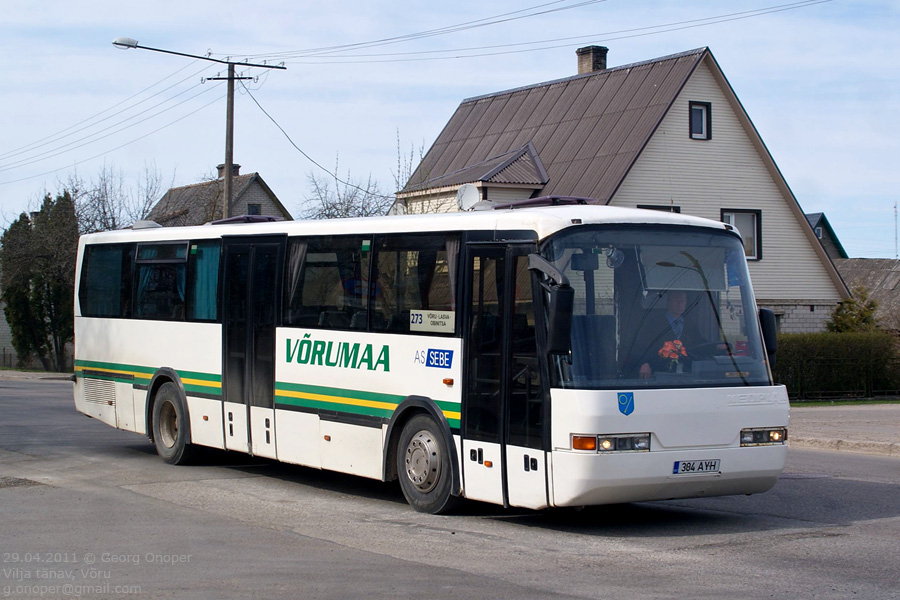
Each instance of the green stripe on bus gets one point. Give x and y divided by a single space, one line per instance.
360 402
339 392
337 407
131 369
193 381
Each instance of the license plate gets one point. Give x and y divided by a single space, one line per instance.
693 467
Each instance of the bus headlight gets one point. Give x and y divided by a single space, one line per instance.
763 436
628 442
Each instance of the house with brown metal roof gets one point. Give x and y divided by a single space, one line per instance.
202 202
826 235
663 134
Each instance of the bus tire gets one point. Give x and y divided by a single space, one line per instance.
424 466
171 426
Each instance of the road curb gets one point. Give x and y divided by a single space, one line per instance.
20 376
882 448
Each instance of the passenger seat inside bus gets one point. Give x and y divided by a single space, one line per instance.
334 319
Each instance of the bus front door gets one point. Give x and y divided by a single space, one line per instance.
251 308
505 414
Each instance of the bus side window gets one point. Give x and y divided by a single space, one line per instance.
413 273
105 289
159 286
326 282
203 280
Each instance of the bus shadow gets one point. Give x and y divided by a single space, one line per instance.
319 479
815 503
794 503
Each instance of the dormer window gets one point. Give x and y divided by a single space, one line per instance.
700 120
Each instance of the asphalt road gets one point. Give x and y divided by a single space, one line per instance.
92 508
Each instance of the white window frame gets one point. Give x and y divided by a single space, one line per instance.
705 132
753 242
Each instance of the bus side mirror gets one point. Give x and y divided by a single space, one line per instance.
561 298
559 327
770 338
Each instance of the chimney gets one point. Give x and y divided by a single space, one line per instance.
235 170
591 58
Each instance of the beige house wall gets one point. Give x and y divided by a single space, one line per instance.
728 171
433 203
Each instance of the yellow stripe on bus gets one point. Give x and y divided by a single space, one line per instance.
337 399
202 382
134 374
351 401
139 375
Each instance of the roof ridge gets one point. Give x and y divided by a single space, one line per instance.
700 50
209 182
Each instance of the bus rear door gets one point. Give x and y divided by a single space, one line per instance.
252 295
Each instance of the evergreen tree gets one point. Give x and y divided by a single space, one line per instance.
37 279
854 315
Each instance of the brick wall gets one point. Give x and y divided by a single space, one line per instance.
801 316
256 195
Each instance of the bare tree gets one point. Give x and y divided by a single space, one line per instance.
149 190
411 171
100 202
331 198
107 203
406 165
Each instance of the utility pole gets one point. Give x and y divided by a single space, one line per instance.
229 134
125 43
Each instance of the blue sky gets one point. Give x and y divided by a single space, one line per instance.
821 82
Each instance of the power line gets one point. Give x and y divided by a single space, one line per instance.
181 118
486 21
332 55
674 26
58 135
73 145
61 150
95 136
307 156
587 38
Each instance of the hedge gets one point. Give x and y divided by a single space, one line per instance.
821 365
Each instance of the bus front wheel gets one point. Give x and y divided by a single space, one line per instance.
423 466
170 426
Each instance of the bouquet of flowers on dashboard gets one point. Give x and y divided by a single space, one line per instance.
672 352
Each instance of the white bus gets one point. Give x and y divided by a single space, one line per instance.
511 355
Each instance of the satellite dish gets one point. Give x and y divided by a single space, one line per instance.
467 196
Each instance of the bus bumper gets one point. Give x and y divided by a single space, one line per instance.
581 479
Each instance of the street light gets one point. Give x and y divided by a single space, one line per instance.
125 43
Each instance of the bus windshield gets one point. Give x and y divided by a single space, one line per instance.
657 306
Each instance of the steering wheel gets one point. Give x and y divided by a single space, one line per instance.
709 349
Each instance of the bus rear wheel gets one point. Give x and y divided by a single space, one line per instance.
170 426
423 466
